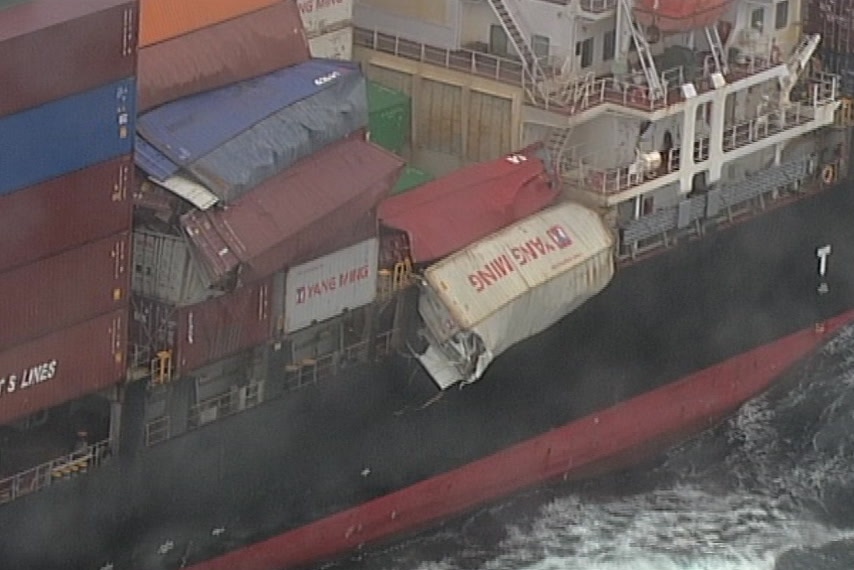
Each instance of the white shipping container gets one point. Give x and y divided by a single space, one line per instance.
326 287
333 45
163 269
321 16
510 286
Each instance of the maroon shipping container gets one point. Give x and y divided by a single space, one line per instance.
834 20
299 214
239 49
50 49
65 212
63 290
207 332
63 366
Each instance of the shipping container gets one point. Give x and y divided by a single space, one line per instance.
163 269
65 289
322 16
204 333
51 49
337 44
272 122
410 179
482 300
834 20
294 216
66 135
229 52
166 19
331 285
389 117
63 366
841 64
65 212
453 211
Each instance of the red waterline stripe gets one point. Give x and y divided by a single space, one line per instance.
679 408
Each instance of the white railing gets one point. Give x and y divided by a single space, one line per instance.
41 476
228 404
610 181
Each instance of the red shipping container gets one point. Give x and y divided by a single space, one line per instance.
63 366
207 332
50 49
166 19
235 50
63 290
65 212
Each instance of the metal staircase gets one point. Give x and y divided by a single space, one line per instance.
510 21
717 47
647 63
556 146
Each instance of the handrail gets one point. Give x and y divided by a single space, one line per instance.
63 467
611 181
567 99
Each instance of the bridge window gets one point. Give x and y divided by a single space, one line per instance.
585 50
757 19
609 42
781 15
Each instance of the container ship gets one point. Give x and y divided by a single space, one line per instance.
283 280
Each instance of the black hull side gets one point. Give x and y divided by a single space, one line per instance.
361 435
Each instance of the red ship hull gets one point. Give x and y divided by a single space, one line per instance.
616 437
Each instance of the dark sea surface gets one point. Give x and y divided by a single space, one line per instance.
772 488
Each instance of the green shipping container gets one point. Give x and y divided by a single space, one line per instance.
410 178
389 117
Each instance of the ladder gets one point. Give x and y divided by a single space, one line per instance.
715 44
556 145
511 26
647 63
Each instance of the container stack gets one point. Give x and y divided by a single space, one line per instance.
834 20
67 111
246 169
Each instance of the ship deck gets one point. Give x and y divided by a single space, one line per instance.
357 436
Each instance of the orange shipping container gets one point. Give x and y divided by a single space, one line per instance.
165 19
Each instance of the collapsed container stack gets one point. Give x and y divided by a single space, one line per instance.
834 20
252 161
67 111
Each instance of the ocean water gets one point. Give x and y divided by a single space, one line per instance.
772 488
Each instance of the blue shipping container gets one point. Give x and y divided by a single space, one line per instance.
187 129
66 135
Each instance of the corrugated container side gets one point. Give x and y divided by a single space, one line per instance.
481 279
323 16
206 332
275 144
187 130
337 44
65 212
225 53
166 19
66 135
63 366
63 290
389 117
290 218
513 285
39 64
326 287
163 269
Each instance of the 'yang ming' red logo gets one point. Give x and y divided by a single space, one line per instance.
559 236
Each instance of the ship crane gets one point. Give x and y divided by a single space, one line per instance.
796 65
